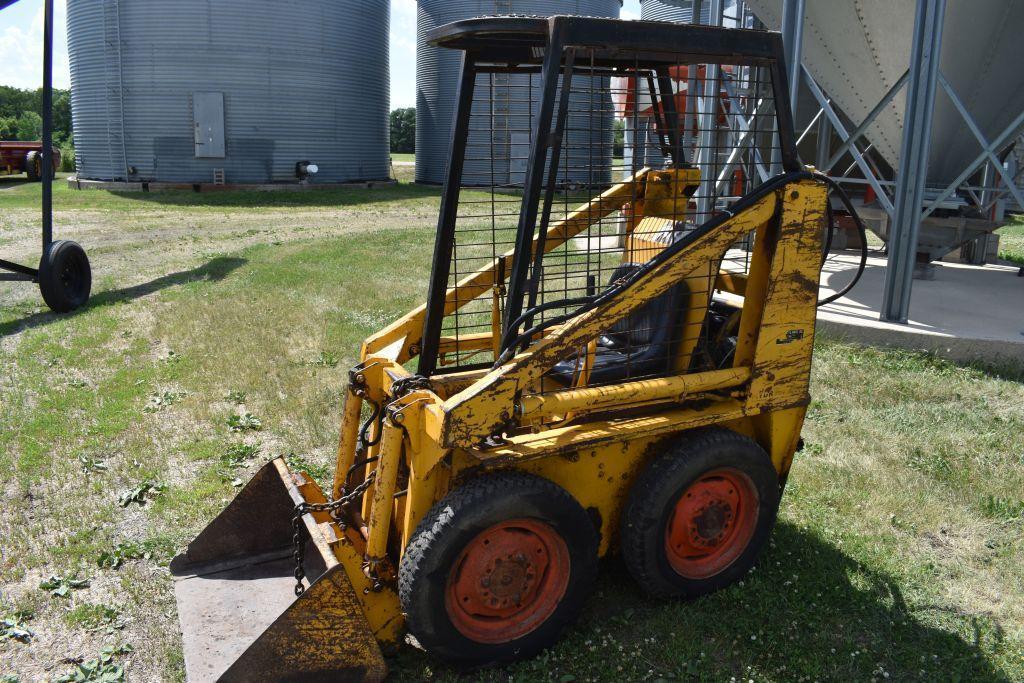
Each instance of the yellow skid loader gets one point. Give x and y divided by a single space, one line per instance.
613 356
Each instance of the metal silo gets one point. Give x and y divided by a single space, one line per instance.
232 91
680 11
437 72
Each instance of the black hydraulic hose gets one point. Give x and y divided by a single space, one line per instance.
587 303
357 464
861 230
366 426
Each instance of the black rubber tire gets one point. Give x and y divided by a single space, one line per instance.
653 498
32 168
65 278
453 523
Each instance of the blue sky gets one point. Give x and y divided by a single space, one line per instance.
21 46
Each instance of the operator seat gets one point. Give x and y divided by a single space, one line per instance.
643 344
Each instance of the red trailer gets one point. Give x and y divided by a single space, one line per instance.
26 157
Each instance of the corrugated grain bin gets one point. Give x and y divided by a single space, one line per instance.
182 91
503 109
680 11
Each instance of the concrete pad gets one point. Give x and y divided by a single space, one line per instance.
966 313
76 183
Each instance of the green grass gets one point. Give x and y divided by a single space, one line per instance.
1011 241
398 156
897 550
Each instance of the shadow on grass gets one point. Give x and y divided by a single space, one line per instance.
808 610
211 271
337 197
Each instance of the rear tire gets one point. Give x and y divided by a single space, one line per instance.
34 166
699 515
65 278
497 569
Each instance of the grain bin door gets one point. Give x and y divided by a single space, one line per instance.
208 122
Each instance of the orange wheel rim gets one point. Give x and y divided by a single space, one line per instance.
712 523
507 581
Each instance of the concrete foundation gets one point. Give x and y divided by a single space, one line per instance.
966 312
136 186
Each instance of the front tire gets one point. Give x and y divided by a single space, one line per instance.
497 569
65 277
699 514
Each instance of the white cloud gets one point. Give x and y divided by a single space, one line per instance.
21 47
403 53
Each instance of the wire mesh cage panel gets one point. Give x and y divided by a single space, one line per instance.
582 169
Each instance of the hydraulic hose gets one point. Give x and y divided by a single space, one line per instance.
512 341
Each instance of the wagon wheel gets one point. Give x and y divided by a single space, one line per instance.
700 513
34 166
65 277
497 569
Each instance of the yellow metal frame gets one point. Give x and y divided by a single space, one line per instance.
471 422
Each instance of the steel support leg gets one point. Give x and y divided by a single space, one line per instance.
792 41
925 51
707 146
824 143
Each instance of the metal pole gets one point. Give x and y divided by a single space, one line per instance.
444 239
824 142
690 115
47 152
709 104
925 51
792 41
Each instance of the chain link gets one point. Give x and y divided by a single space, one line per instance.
398 389
330 507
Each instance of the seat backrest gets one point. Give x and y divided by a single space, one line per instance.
654 323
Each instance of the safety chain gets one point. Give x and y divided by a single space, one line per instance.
330 507
409 384
399 389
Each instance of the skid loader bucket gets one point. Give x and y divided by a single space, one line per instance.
234 585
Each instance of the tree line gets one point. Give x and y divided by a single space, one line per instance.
20 119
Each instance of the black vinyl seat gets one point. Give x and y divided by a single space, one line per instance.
643 344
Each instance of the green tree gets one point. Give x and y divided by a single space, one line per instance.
619 138
403 130
30 126
15 102
8 127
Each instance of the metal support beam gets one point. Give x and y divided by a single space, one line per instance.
689 116
868 120
840 130
709 104
925 50
969 170
997 165
793 43
824 143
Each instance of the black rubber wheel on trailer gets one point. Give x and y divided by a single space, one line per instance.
497 569
65 278
699 514
34 166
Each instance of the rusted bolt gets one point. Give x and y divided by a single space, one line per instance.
361 378
414 349
794 194
399 418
